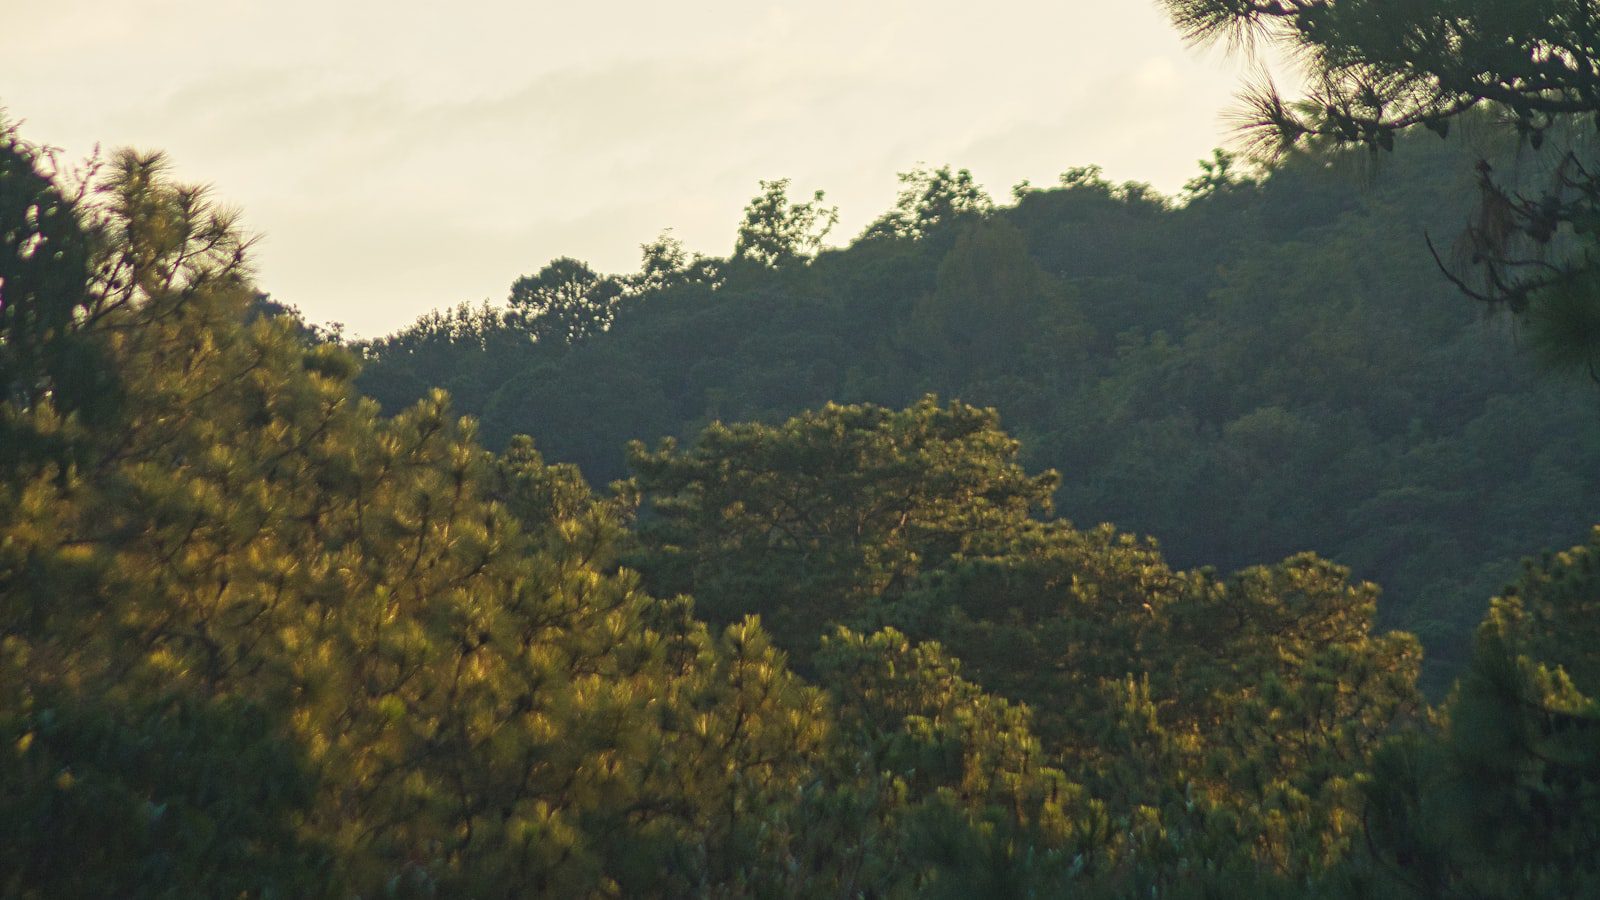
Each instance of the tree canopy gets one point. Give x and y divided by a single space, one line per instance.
1271 365
1525 69
260 638
826 635
777 232
566 302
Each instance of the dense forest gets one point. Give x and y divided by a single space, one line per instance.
1266 365
286 617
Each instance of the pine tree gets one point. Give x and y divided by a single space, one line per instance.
811 522
1504 800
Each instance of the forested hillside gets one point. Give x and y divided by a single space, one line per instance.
1262 366
278 619
260 640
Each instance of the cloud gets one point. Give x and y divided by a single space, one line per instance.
400 156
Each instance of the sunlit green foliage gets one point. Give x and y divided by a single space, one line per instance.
453 694
809 522
1257 699
259 639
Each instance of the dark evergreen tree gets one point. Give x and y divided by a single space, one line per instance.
1524 68
1502 801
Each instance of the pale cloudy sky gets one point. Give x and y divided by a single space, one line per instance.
398 156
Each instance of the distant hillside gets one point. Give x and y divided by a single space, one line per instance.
1263 367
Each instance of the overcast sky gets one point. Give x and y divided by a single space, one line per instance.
399 156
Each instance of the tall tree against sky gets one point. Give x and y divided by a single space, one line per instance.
928 199
778 232
566 302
